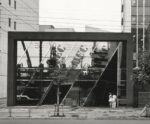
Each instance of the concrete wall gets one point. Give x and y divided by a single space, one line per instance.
26 17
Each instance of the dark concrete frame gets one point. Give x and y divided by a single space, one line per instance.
13 37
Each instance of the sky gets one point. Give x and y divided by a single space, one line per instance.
104 14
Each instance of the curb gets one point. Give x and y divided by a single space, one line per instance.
75 118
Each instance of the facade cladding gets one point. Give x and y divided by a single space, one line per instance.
141 7
126 16
15 15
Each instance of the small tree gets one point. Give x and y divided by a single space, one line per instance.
141 75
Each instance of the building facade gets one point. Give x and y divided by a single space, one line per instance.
126 16
146 5
140 20
15 15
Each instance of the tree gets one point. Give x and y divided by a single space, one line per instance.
141 75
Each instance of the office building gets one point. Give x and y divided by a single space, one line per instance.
15 15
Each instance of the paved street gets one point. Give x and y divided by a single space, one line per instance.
33 121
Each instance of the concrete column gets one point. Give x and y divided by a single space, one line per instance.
118 68
11 82
129 73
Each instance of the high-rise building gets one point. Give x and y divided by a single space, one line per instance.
141 7
15 15
126 16
140 18
141 39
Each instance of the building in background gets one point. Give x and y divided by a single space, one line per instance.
141 41
140 13
15 15
126 16
143 17
51 28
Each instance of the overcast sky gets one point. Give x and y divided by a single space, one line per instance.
104 14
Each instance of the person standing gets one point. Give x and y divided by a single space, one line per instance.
114 101
110 100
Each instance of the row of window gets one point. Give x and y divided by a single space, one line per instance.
140 2
9 23
15 3
9 19
147 19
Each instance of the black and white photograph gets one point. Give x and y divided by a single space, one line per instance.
74 61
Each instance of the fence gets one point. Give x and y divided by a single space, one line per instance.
11 112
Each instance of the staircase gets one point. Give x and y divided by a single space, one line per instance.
102 62
45 93
72 76
50 94
79 90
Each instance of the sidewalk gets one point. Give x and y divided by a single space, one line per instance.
71 113
47 112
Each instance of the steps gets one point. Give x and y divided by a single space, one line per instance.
89 100
45 93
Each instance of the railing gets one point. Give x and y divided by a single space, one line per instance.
48 112
41 113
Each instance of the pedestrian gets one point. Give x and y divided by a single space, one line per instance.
114 101
110 100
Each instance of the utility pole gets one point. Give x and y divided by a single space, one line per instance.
143 25
137 33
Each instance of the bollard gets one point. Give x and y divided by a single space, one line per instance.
29 111
55 110
10 112
49 112
62 110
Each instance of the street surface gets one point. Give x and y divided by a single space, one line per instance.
42 121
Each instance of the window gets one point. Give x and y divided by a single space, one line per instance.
122 8
15 4
133 2
9 2
9 22
140 3
133 19
15 25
